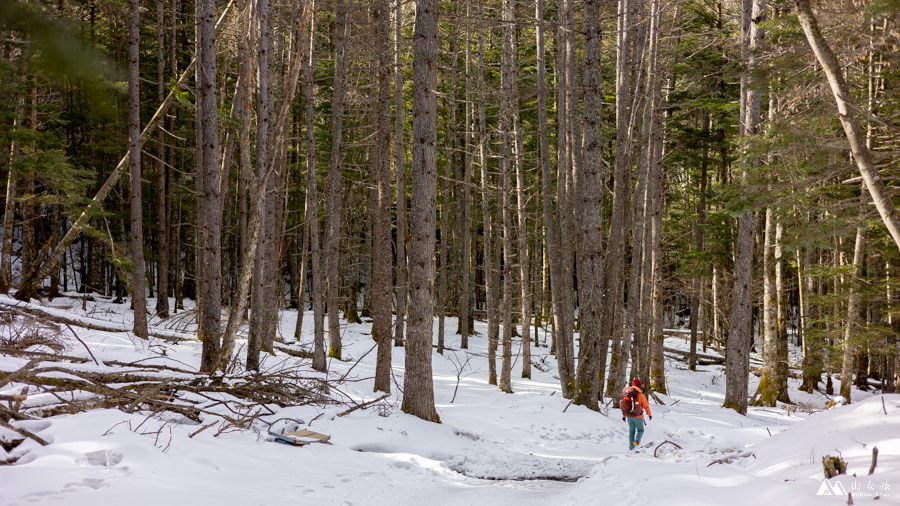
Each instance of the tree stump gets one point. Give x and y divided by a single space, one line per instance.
833 466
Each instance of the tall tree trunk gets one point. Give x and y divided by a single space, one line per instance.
312 200
699 236
260 305
333 200
655 158
781 345
506 111
488 267
209 198
767 389
9 213
139 297
401 291
590 289
381 219
740 331
550 225
522 225
162 170
849 346
446 189
465 315
418 390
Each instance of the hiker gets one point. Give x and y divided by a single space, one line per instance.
633 405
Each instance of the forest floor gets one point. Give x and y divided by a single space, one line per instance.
529 447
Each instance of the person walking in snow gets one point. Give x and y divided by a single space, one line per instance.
633 405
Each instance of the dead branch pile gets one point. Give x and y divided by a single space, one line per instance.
52 383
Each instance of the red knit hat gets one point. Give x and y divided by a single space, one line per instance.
637 383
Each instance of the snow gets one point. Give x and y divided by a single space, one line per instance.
530 447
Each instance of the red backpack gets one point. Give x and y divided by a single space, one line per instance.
629 403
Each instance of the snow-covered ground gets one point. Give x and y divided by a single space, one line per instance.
530 447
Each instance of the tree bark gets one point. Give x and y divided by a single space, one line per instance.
488 267
401 290
9 216
139 296
522 224
590 290
162 170
333 200
260 305
740 331
381 219
209 198
418 391
312 200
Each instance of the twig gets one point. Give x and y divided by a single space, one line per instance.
882 405
82 342
363 405
356 363
567 405
201 429
664 442
24 432
314 419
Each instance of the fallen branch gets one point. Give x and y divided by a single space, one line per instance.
23 307
18 373
664 442
25 432
363 405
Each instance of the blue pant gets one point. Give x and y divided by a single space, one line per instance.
635 431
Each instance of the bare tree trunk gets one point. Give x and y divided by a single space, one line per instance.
162 207
333 200
381 219
550 225
139 296
740 332
590 290
848 113
260 310
849 345
465 315
445 195
522 225
506 110
489 288
768 380
303 275
209 199
418 389
401 290
9 216
781 344
655 158
700 235
312 201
